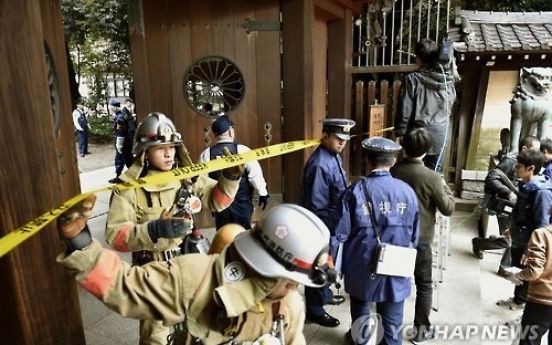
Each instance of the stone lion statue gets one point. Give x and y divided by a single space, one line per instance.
531 105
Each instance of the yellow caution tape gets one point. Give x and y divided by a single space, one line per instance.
18 236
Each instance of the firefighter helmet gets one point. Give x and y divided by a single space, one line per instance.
290 242
155 130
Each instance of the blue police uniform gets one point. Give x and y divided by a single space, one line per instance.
324 179
121 129
396 214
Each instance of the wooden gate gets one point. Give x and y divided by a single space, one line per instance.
167 37
374 108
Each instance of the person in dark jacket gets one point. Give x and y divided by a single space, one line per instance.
427 98
501 181
123 140
532 211
324 178
546 149
130 115
395 211
433 194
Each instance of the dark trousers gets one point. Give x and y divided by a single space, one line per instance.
315 298
123 159
239 212
536 320
82 136
391 314
520 291
424 286
490 243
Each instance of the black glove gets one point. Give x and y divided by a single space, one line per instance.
82 240
168 228
263 200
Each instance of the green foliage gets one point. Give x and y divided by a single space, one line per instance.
507 5
97 35
101 129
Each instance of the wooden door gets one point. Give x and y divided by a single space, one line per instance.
169 36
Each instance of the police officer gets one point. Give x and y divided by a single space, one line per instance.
247 293
81 127
138 219
130 115
323 181
242 208
395 209
123 140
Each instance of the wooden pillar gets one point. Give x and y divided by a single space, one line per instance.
38 299
478 108
339 78
138 55
298 69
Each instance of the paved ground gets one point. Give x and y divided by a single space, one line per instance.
101 156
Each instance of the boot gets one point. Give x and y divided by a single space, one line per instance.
475 248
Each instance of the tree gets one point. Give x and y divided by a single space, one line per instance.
507 5
96 32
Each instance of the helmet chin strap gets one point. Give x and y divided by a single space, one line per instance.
135 170
317 274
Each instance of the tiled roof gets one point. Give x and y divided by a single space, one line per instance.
476 31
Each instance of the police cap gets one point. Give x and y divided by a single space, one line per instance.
221 125
114 103
340 127
381 145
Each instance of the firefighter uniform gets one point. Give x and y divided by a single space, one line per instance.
245 295
131 210
243 308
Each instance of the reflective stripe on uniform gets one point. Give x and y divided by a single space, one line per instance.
120 243
104 273
221 198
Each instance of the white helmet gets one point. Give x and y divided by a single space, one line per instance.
156 129
290 242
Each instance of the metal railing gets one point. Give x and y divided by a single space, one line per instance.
385 34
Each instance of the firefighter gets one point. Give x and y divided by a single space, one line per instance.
152 221
246 294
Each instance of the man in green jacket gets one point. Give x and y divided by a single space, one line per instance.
433 194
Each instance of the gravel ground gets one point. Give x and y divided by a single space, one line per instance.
101 156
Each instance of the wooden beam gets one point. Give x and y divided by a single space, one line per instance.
331 10
298 45
355 7
339 80
384 69
478 116
38 299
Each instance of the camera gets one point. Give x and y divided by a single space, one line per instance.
446 52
